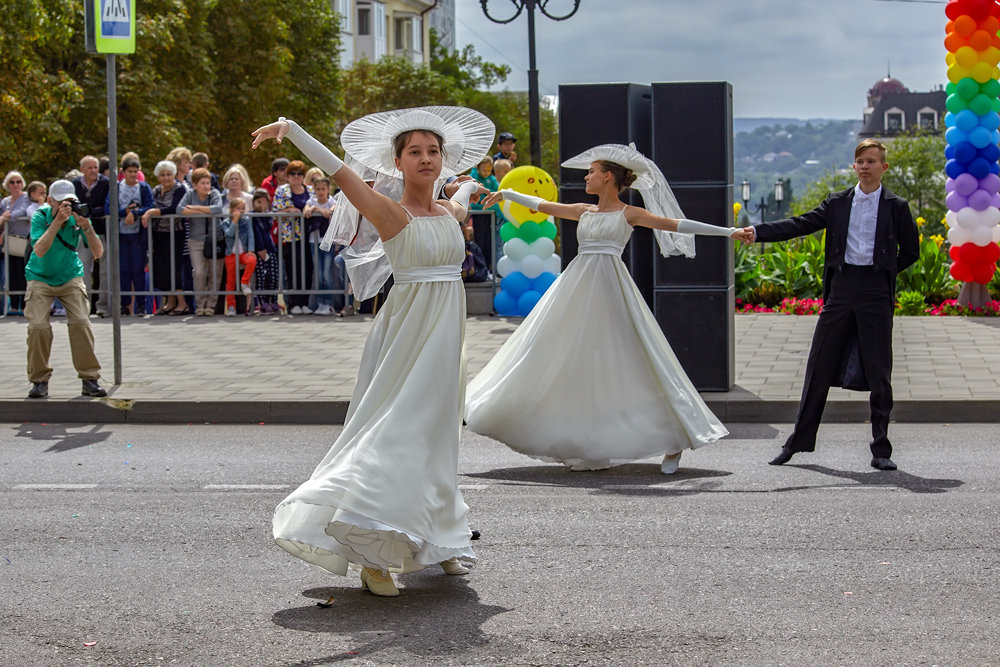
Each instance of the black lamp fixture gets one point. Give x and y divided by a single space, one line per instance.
762 207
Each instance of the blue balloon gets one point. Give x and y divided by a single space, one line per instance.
979 168
995 137
955 136
543 282
965 152
515 284
990 121
527 301
995 168
505 304
980 137
949 152
966 119
990 153
954 168
949 119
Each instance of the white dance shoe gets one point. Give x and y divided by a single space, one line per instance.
670 463
378 582
453 566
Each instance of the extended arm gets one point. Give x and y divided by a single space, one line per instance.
565 211
643 218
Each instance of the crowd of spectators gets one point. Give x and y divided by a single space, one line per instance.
194 245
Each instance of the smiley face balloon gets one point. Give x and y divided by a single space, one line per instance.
527 180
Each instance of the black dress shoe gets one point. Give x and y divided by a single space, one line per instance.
783 457
39 390
883 463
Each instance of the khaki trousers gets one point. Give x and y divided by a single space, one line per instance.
38 302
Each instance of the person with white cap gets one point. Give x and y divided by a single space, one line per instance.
385 498
588 379
54 270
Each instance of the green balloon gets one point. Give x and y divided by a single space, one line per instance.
967 88
950 88
548 229
991 88
955 103
996 105
508 231
529 231
980 105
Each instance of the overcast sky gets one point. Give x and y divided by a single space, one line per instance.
784 58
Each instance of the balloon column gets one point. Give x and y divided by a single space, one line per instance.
529 265
972 136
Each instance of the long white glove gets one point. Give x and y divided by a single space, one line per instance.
530 201
685 226
464 193
318 154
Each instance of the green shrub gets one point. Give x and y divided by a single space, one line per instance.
911 303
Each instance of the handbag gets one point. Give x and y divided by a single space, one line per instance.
218 251
17 246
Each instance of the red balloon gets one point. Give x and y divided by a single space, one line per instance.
991 253
960 272
983 273
978 9
954 252
954 10
968 253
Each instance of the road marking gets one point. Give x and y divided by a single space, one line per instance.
473 487
245 487
53 487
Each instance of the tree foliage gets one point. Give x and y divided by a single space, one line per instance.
204 74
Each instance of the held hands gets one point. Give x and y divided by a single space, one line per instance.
745 234
451 188
276 130
492 199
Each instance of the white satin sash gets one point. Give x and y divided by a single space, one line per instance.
427 274
598 247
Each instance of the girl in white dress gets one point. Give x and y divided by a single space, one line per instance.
385 498
588 379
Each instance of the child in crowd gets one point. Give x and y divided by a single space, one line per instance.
239 246
317 212
266 273
501 167
37 195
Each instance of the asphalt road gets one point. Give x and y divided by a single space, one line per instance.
154 547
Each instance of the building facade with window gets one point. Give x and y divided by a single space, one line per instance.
893 109
373 29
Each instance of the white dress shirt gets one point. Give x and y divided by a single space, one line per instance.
861 229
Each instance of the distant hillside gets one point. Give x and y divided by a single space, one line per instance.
766 149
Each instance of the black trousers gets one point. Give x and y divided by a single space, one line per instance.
861 300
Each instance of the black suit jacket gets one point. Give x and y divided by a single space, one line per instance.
897 241
94 199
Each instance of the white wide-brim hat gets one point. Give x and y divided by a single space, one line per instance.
626 156
467 136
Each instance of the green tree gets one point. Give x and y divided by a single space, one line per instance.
916 173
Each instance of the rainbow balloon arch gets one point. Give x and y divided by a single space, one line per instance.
972 151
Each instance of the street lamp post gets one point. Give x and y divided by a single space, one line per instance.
534 117
762 207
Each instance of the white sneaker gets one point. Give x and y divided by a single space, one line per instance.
324 309
245 287
296 310
231 311
306 310
670 463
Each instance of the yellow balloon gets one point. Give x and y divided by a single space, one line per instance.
528 180
982 72
956 73
966 56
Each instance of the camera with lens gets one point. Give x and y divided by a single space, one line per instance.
80 209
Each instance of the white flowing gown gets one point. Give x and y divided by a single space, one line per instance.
588 379
386 494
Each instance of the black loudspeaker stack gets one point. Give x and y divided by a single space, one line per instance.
686 129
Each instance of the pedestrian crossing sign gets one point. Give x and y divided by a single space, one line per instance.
110 26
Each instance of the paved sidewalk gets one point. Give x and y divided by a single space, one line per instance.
301 369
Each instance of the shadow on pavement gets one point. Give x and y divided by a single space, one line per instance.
66 440
631 477
436 615
890 478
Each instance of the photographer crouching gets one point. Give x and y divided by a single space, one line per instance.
54 270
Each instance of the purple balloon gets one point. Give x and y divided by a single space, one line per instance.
965 184
980 200
990 183
995 200
949 185
956 202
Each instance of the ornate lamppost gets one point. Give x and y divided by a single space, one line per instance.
762 207
534 117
